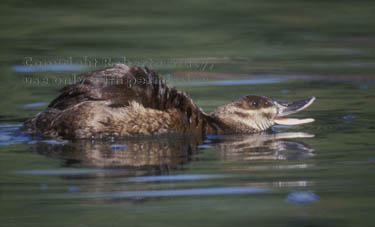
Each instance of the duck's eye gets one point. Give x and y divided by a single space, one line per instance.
254 103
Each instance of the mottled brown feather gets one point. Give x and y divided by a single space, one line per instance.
120 101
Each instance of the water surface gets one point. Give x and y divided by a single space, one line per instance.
320 174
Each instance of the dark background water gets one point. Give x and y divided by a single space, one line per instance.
216 51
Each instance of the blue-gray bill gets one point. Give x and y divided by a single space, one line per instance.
286 108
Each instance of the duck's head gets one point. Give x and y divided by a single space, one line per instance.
254 113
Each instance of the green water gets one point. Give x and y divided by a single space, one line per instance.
320 174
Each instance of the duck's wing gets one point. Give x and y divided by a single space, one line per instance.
122 85
91 86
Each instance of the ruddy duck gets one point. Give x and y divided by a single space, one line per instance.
123 101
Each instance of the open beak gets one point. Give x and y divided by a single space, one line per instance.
286 108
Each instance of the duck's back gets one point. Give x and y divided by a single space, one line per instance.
118 101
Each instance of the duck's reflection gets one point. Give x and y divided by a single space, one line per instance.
156 153
281 146
166 153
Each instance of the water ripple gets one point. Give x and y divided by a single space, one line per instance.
184 177
177 192
37 104
62 172
45 68
302 197
236 82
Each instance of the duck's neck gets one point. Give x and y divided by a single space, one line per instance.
213 126
218 124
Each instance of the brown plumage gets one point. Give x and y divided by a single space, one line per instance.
124 101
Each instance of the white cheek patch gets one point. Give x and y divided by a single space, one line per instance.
260 119
293 121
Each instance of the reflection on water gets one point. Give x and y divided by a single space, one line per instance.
138 160
171 153
263 146
159 153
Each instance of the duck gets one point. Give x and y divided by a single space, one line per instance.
133 101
